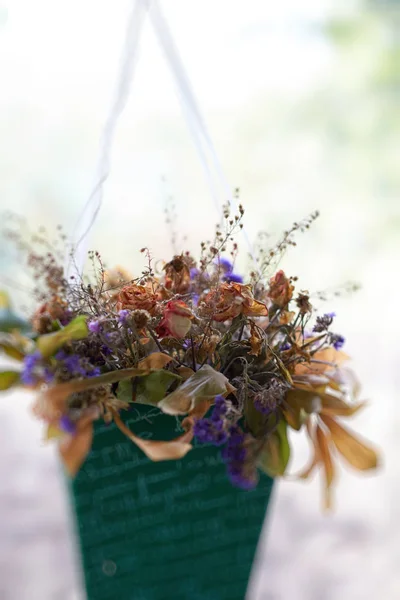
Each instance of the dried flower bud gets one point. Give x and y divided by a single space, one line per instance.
303 303
141 318
280 289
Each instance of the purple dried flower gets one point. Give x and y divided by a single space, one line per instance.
267 400
225 264
239 477
94 326
324 322
234 455
94 373
123 316
30 364
337 341
233 278
67 425
194 272
207 432
48 375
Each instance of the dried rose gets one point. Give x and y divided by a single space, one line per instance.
280 289
176 321
229 300
137 297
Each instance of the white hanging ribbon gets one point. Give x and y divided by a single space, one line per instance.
193 117
80 240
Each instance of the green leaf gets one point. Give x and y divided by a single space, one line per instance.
255 420
275 454
125 391
205 384
152 388
8 379
49 343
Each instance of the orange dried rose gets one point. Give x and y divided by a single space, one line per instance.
229 300
137 297
176 321
280 289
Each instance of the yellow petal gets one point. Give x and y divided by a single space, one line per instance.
352 449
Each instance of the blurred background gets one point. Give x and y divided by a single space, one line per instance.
302 102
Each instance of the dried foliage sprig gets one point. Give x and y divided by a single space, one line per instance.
239 362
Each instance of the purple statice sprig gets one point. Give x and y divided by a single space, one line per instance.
337 340
67 425
30 368
35 368
95 326
235 454
124 317
323 323
228 273
76 365
213 430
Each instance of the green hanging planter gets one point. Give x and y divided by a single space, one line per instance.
161 530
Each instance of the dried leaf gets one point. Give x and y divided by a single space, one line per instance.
8 379
11 351
49 343
275 454
328 358
74 449
357 454
153 387
53 432
306 399
305 474
158 450
57 395
125 391
185 372
205 384
326 461
256 339
294 418
286 317
333 406
344 377
156 360
5 301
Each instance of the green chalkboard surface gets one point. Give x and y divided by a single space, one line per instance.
167 530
